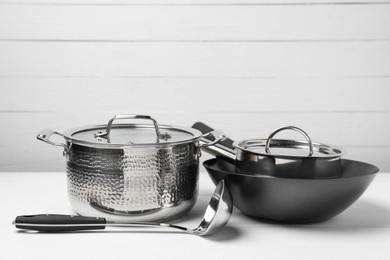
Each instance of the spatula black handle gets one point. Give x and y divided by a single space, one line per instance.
58 223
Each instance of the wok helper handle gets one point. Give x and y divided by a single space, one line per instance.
223 149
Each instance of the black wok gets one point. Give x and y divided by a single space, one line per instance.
293 200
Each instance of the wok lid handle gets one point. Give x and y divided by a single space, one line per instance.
268 143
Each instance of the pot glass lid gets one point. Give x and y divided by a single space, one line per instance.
131 134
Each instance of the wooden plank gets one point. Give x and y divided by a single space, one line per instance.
193 2
195 23
260 95
102 59
337 128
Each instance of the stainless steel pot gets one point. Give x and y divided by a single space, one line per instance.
136 172
278 157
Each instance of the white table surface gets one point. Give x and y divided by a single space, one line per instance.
360 232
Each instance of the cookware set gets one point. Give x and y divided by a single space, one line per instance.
132 173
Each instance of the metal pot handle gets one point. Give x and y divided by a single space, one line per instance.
268 143
106 134
219 137
44 135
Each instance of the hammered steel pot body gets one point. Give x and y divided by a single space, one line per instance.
141 183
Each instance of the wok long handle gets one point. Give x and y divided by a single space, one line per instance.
223 149
58 222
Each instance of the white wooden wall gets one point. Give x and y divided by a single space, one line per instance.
245 67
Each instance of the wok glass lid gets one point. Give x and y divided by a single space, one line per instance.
290 148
